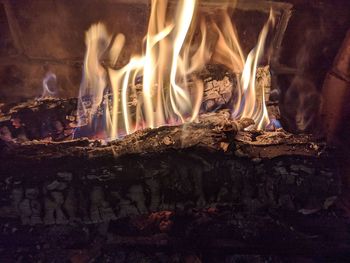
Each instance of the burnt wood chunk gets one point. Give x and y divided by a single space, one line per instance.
40 119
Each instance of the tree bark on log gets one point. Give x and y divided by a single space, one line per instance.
210 184
49 119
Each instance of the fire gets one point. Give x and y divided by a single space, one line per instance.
251 107
160 87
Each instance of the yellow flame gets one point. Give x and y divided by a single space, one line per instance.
116 48
94 80
178 96
228 52
253 108
171 57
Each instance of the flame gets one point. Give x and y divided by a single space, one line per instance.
169 93
253 108
228 50
94 79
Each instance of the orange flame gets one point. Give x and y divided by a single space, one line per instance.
253 108
171 56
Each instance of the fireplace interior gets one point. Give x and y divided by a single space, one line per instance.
174 131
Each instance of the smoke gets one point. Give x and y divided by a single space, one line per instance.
49 85
303 103
302 99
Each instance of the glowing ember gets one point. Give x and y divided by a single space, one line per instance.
169 92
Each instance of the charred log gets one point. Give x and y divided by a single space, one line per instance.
50 119
209 184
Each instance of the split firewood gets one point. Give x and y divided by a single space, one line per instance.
219 87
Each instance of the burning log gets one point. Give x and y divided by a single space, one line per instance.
202 181
219 87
